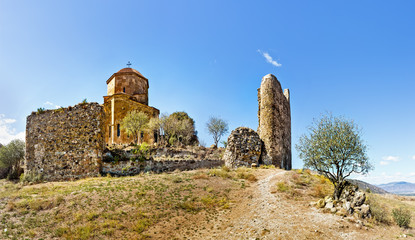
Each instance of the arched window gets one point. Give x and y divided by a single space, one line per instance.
123 89
109 132
118 130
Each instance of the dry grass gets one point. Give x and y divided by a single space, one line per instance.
383 206
304 185
119 208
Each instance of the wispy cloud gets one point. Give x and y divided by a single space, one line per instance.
383 163
269 59
413 157
47 103
7 132
391 158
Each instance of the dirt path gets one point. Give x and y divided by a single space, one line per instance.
264 215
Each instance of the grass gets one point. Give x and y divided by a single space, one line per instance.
125 207
304 185
387 209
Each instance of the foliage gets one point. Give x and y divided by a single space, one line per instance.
40 110
179 127
334 148
217 127
31 178
158 125
402 217
134 123
10 157
224 143
378 210
85 101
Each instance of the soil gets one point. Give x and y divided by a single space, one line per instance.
261 214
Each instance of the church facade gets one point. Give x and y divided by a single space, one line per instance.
127 90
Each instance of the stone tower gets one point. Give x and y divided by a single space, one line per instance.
274 116
127 90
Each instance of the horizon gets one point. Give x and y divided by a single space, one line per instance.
352 59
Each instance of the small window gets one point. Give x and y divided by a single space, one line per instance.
118 130
142 135
109 132
123 90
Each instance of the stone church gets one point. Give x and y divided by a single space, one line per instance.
127 90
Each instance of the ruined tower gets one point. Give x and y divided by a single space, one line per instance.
274 116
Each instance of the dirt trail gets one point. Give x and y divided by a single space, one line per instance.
265 215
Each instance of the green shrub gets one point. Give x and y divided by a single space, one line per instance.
31 177
378 210
40 110
402 217
282 187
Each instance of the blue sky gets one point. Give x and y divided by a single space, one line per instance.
351 58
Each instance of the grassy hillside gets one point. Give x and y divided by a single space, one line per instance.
179 205
119 208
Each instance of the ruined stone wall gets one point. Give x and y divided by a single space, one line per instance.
274 116
165 160
244 148
66 143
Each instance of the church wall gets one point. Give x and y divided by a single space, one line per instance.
123 105
66 143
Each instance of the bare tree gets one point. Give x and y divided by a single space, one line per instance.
217 127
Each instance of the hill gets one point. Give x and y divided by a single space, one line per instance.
401 188
200 204
364 185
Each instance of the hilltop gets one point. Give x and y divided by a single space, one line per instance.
200 204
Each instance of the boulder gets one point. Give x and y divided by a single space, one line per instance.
244 148
321 203
358 199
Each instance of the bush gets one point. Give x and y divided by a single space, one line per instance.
31 177
402 217
378 210
10 157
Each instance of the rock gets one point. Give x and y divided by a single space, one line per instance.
358 199
321 203
274 117
243 149
341 212
333 210
254 165
329 205
365 211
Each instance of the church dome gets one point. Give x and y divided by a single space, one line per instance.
131 70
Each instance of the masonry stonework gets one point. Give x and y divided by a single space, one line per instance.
244 148
274 117
127 90
66 143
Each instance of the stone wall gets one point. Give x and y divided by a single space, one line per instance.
66 143
244 148
274 116
164 160
129 168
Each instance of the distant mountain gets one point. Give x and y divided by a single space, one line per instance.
364 185
402 188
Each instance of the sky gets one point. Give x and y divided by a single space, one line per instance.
207 58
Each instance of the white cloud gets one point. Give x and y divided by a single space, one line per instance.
47 103
391 158
413 157
7 132
269 59
383 163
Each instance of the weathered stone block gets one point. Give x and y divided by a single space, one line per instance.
244 148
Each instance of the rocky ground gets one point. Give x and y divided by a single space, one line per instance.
266 215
